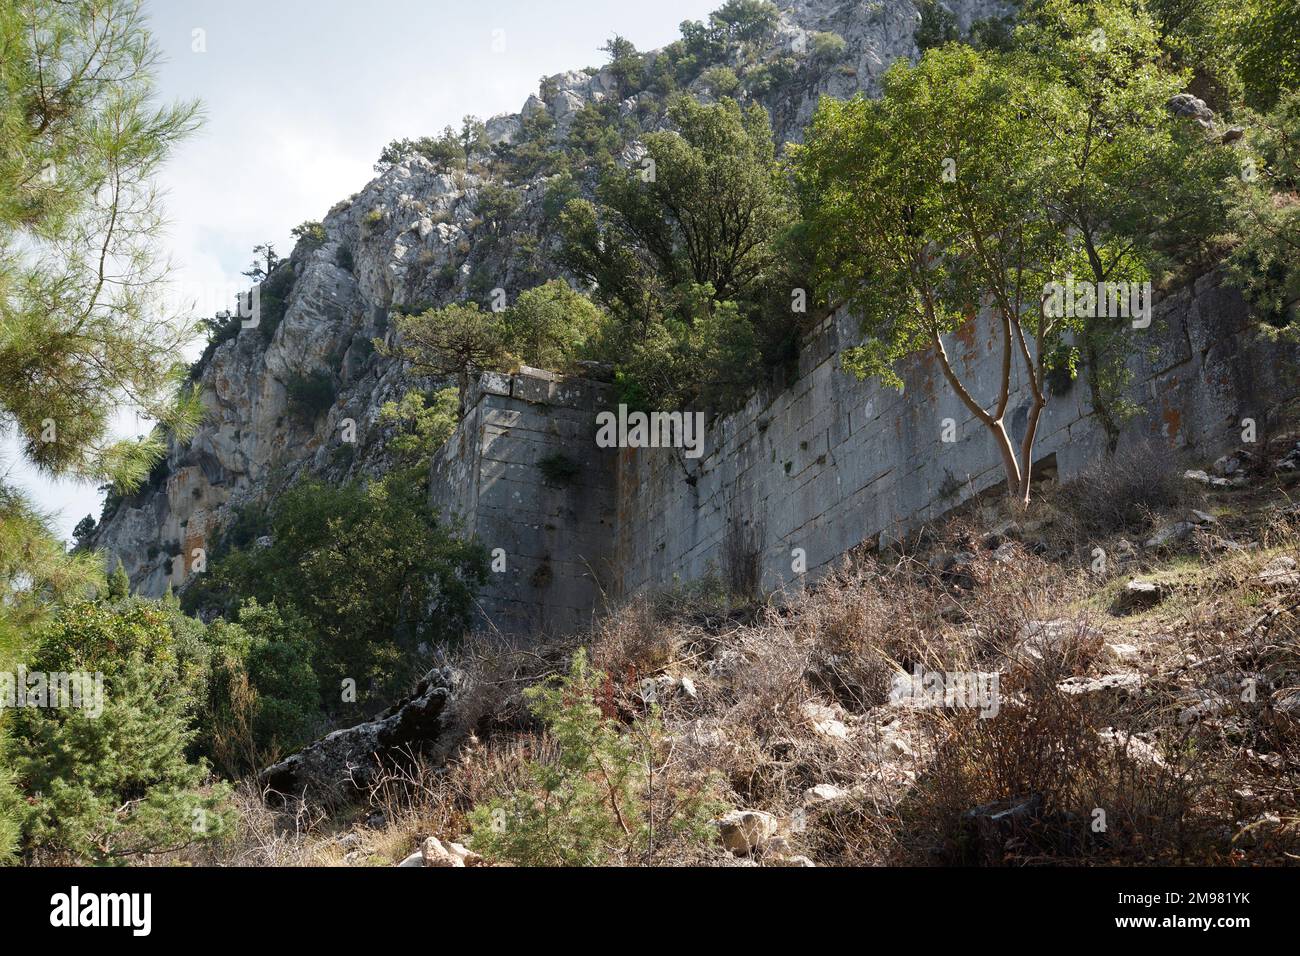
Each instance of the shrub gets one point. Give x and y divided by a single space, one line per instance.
549 325
370 573
596 801
937 27
311 394
310 234
827 47
1123 491
117 784
721 81
424 423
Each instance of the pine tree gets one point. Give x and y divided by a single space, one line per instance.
80 272
119 585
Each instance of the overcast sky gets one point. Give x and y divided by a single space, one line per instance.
301 95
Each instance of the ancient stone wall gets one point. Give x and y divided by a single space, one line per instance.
524 475
803 474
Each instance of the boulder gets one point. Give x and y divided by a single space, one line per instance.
1193 108
1133 745
1125 684
823 793
826 721
438 853
1138 595
1227 466
338 767
1280 573
744 831
1038 639
1170 534
1201 477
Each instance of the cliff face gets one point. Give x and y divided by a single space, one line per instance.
415 237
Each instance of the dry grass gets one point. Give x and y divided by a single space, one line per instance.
793 692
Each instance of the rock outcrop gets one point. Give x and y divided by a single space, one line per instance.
338 766
414 237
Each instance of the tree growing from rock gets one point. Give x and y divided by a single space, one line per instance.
455 342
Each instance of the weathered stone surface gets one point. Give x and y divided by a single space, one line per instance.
826 721
335 768
830 463
1039 639
823 793
1138 595
1280 572
1170 534
744 831
1123 684
436 852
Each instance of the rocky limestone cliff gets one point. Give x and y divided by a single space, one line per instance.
415 237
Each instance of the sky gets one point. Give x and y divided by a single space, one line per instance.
300 96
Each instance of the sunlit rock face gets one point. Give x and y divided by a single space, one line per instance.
415 237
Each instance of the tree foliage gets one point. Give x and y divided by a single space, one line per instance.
926 208
369 571
117 784
456 342
689 235
81 140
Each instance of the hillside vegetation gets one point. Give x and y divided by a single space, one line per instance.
1148 708
280 632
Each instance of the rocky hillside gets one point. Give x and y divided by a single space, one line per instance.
1146 703
301 392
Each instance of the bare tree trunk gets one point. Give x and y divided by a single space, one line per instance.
995 424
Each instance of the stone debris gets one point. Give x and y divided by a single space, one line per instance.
438 853
1280 573
1125 684
826 721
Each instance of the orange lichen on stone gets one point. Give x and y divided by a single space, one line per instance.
1172 422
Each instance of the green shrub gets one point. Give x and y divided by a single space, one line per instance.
550 325
370 573
311 394
310 234
721 81
115 785
827 47
596 803
937 25
424 423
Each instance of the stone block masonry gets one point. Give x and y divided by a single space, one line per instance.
522 473
799 476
